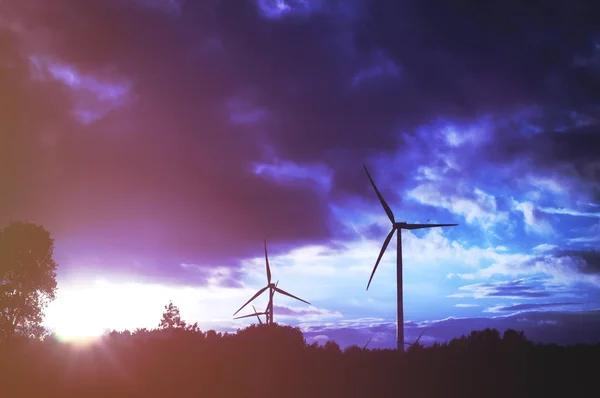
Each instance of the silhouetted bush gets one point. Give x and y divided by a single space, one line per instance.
273 360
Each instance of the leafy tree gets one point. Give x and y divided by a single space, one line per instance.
171 319
27 279
332 348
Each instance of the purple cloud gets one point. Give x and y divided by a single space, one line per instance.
304 312
173 168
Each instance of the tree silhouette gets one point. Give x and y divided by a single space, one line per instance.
27 279
171 319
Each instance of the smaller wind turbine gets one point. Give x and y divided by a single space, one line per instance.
267 312
272 289
368 341
256 314
416 342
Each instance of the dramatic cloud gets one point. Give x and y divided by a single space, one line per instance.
162 141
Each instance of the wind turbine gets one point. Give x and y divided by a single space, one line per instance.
272 289
416 341
267 312
257 315
397 226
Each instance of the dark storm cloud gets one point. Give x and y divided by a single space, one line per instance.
572 154
590 257
496 59
568 262
500 55
171 170
177 178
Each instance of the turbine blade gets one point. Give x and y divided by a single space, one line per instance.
419 338
249 315
420 226
290 295
387 209
253 297
256 313
368 341
267 263
385 245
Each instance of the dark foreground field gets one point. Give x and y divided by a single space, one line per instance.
275 361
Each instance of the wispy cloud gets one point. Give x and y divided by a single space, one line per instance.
473 204
534 219
569 212
530 307
305 313
520 288
544 247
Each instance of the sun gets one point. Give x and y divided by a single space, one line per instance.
86 312
78 332
73 328
77 316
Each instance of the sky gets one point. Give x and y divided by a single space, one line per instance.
161 141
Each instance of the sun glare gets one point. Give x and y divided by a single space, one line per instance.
78 334
74 320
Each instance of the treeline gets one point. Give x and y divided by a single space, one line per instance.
275 361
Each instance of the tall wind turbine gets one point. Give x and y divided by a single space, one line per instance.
397 226
272 289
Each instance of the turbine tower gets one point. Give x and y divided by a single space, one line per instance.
397 226
272 289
